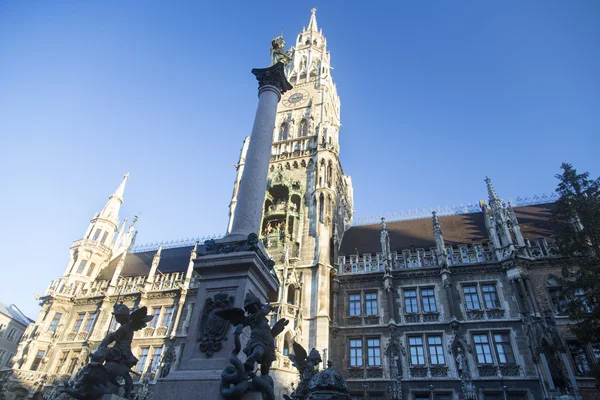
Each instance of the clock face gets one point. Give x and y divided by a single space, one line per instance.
297 98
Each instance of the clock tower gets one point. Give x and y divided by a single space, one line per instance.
308 204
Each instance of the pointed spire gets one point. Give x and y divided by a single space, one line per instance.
121 189
312 24
194 252
439 241
112 207
491 192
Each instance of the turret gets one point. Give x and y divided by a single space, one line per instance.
96 248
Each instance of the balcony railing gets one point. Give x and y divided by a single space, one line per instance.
94 244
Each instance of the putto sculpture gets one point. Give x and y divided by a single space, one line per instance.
307 366
106 364
240 378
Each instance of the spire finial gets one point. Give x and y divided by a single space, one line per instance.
312 24
383 224
491 192
436 221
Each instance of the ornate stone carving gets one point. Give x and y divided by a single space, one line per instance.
250 244
213 329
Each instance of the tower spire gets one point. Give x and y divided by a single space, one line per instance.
312 24
491 192
112 207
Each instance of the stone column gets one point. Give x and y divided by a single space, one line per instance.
572 379
526 295
272 83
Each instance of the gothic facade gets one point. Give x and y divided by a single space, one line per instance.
462 306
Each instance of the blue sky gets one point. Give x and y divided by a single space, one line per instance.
435 96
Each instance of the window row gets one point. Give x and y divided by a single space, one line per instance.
161 317
98 233
13 335
450 396
423 300
491 348
84 322
151 355
85 268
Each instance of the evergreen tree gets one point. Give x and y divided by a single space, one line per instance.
577 214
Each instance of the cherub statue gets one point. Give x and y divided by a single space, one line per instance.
278 53
109 363
260 348
307 366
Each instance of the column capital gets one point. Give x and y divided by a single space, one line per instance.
273 76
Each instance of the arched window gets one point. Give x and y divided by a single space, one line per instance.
291 295
329 173
303 128
283 131
557 295
321 207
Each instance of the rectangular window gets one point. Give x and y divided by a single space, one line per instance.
89 324
90 269
436 350
356 353
354 303
155 317
490 296
482 348
155 359
81 266
2 329
559 300
37 360
471 297
61 361
73 362
504 350
142 359
113 324
516 396
55 321
371 303
582 364
428 300
422 397
166 320
417 355
596 351
97 234
2 353
9 360
493 396
11 334
104 236
410 301
373 352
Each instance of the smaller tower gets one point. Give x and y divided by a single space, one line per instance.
96 248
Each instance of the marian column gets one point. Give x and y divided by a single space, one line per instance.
272 83
230 267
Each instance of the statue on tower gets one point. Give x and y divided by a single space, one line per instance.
278 52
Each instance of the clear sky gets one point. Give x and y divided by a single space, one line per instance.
435 96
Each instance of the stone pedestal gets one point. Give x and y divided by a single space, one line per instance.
230 270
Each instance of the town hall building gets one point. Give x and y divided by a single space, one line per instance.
457 304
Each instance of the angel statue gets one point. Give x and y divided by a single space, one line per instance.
260 349
307 365
278 53
109 363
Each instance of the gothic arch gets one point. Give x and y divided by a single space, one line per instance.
303 128
283 131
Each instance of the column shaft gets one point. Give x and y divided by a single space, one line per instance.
253 184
